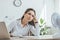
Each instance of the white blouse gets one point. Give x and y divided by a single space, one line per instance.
16 29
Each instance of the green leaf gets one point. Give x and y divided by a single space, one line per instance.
41 21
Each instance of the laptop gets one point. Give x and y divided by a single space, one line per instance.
3 31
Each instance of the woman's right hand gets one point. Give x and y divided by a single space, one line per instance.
35 20
11 35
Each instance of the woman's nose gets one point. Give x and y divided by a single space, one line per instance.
30 16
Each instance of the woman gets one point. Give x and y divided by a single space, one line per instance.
28 22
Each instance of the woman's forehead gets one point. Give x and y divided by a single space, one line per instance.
32 12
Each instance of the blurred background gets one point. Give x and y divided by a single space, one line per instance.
14 9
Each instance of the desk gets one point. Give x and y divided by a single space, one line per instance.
43 37
35 37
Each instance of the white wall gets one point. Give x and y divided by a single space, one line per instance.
56 5
49 11
8 9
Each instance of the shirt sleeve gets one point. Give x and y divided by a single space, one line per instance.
35 31
11 26
16 34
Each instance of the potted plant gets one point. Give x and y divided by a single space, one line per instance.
44 28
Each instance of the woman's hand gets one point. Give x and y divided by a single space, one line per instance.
11 35
35 20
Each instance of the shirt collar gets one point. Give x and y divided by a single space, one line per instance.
19 22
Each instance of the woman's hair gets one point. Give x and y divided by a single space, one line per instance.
31 22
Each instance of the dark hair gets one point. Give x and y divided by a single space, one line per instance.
31 22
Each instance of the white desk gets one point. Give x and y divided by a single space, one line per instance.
43 37
33 37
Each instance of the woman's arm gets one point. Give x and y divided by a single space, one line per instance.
13 29
35 31
11 26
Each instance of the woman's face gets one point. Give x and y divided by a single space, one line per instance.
29 15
